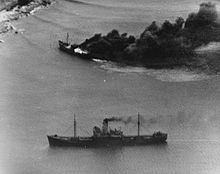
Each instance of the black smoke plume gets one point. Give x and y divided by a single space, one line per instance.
168 45
179 119
206 15
126 120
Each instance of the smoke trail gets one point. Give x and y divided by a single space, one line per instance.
126 120
180 118
112 119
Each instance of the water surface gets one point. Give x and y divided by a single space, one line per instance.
42 87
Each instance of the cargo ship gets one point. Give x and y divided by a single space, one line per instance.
77 50
107 137
73 49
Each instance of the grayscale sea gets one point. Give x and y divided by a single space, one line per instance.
41 88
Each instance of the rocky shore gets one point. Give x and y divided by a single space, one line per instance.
16 9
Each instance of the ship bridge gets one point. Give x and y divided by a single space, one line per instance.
106 131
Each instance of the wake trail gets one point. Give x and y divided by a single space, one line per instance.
31 43
77 2
166 75
90 4
65 12
55 24
62 11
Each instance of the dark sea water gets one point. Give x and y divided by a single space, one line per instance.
41 88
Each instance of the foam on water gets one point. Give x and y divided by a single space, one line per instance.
168 75
99 60
212 46
180 75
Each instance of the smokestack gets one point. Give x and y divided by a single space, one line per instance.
74 126
105 123
105 126
138 124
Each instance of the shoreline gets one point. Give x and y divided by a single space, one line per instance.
13 12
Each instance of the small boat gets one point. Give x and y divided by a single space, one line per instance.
107 137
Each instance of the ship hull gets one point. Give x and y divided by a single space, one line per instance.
55 140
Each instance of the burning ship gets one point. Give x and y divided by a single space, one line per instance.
77 50
107 137
73 49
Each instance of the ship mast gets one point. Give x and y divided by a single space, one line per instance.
67 38
138 124
74 126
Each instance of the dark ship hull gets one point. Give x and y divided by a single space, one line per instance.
55 140
70 49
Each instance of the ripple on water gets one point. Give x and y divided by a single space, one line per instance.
167 75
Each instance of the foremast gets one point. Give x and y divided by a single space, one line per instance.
138 124
74 126
67 38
